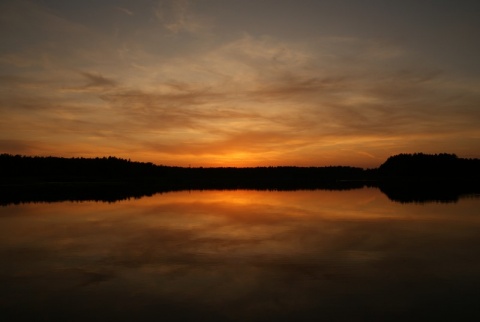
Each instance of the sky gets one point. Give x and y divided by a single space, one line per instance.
240 83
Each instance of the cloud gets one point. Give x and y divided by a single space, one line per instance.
16 146
173 104
93 83
292 86
22 83
95 80
17 60
176 17
36 24
125 11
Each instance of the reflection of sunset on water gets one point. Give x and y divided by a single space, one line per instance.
260 254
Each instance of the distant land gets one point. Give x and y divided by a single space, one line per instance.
414 177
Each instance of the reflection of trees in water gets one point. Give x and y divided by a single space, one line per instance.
404 178
433 191
112 192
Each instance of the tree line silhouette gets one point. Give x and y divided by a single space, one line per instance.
403 177
429 166
112 169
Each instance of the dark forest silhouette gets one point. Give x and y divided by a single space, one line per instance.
405 177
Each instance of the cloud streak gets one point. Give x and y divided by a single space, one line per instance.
98 81
176 17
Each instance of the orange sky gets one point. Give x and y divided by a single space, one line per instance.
240 83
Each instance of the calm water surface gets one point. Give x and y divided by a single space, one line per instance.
241 256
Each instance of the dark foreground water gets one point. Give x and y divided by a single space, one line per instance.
241 256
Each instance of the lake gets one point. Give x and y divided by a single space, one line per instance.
241 255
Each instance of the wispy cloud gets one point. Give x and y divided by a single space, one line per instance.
95 80
125 11
176 17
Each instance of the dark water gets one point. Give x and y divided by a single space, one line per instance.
241 256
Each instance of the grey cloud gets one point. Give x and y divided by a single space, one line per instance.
290 86
125 10
149 101
33 25
176 16
393 103
183 108
98 81
17 83
24 147
18 60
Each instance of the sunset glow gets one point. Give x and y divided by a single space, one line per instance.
240 83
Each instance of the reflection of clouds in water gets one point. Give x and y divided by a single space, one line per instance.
242 255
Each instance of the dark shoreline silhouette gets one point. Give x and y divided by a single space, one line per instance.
403 178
